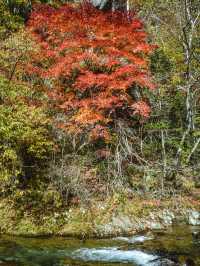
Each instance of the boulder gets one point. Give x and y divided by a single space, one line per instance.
110 4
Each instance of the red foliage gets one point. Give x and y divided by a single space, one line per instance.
92 58
141 108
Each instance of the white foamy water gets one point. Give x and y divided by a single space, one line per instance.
134 239
115 255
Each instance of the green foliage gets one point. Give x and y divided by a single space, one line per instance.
25 144
8 22
161 64
134 156
19 7
14 53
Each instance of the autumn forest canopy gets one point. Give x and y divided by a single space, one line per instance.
95 100
94 61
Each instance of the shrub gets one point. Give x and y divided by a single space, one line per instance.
25 144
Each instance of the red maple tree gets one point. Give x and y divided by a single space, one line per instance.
93 60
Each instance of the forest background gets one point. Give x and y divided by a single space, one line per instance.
153 153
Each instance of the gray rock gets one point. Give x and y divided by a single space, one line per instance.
123 223
108 4
155 225
194 218
99 3
166 262
168 217
106 229
117 225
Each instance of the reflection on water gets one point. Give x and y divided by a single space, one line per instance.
174 246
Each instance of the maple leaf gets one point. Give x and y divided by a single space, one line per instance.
92 58
137 24
141 108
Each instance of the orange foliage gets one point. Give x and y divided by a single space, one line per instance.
94 58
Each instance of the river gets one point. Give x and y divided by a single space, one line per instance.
178 245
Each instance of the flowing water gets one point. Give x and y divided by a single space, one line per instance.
179 245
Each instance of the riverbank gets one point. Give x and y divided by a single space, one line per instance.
113 217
